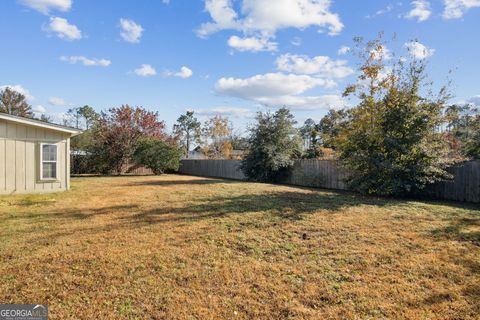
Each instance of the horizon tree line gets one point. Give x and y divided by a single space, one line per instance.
398 138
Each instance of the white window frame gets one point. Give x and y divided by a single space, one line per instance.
48 161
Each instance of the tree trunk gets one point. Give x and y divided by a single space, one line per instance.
188 144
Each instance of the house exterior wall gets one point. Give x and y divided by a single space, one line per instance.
20 158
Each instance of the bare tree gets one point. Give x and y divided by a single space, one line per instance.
14 103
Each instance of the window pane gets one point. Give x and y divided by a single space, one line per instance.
49 170
49 152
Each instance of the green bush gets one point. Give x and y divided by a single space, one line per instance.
274 144
157 155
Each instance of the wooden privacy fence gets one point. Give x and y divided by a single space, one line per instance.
135 169
465 185
328 174
229 169
82 164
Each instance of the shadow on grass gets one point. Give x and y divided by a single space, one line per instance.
180 182
292 204
463 229
76 213
285 205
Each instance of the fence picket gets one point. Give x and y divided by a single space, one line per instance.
330 174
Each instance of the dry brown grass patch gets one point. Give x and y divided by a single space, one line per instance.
182 247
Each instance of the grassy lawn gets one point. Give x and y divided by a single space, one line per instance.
180 247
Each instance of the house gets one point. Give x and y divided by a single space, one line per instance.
196 154
34 155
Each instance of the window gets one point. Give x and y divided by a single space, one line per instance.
48 163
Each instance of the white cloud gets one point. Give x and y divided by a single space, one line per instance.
252 44
418 50
166 1
455 9
270 84
343 50
86 61
18 88
319 65
277 89
184 73
297 41
381 12
329 101
56 101
421 11
225 111
382 52
223 16
475 100
39 109
145 70
131 31
263 18
60 117
44 6
63 29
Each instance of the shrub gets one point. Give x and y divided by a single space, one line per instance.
274 144
392 144
157 155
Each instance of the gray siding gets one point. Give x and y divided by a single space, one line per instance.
19 158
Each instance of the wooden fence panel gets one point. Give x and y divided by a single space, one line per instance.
329 174
131 168
465 186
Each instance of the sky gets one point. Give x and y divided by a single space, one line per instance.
226 57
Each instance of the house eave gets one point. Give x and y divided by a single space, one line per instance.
37 123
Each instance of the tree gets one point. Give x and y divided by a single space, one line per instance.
89 116
472 144
307 131
187 130
331 125
216 132
463 125
83 117
73 118
157 155
117 133
14 103
392 144
45 118
274 144
311 140
238 141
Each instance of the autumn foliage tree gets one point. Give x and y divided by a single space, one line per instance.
14 103
392 144
216 134
117 133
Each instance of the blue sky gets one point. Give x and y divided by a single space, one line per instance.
219 56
